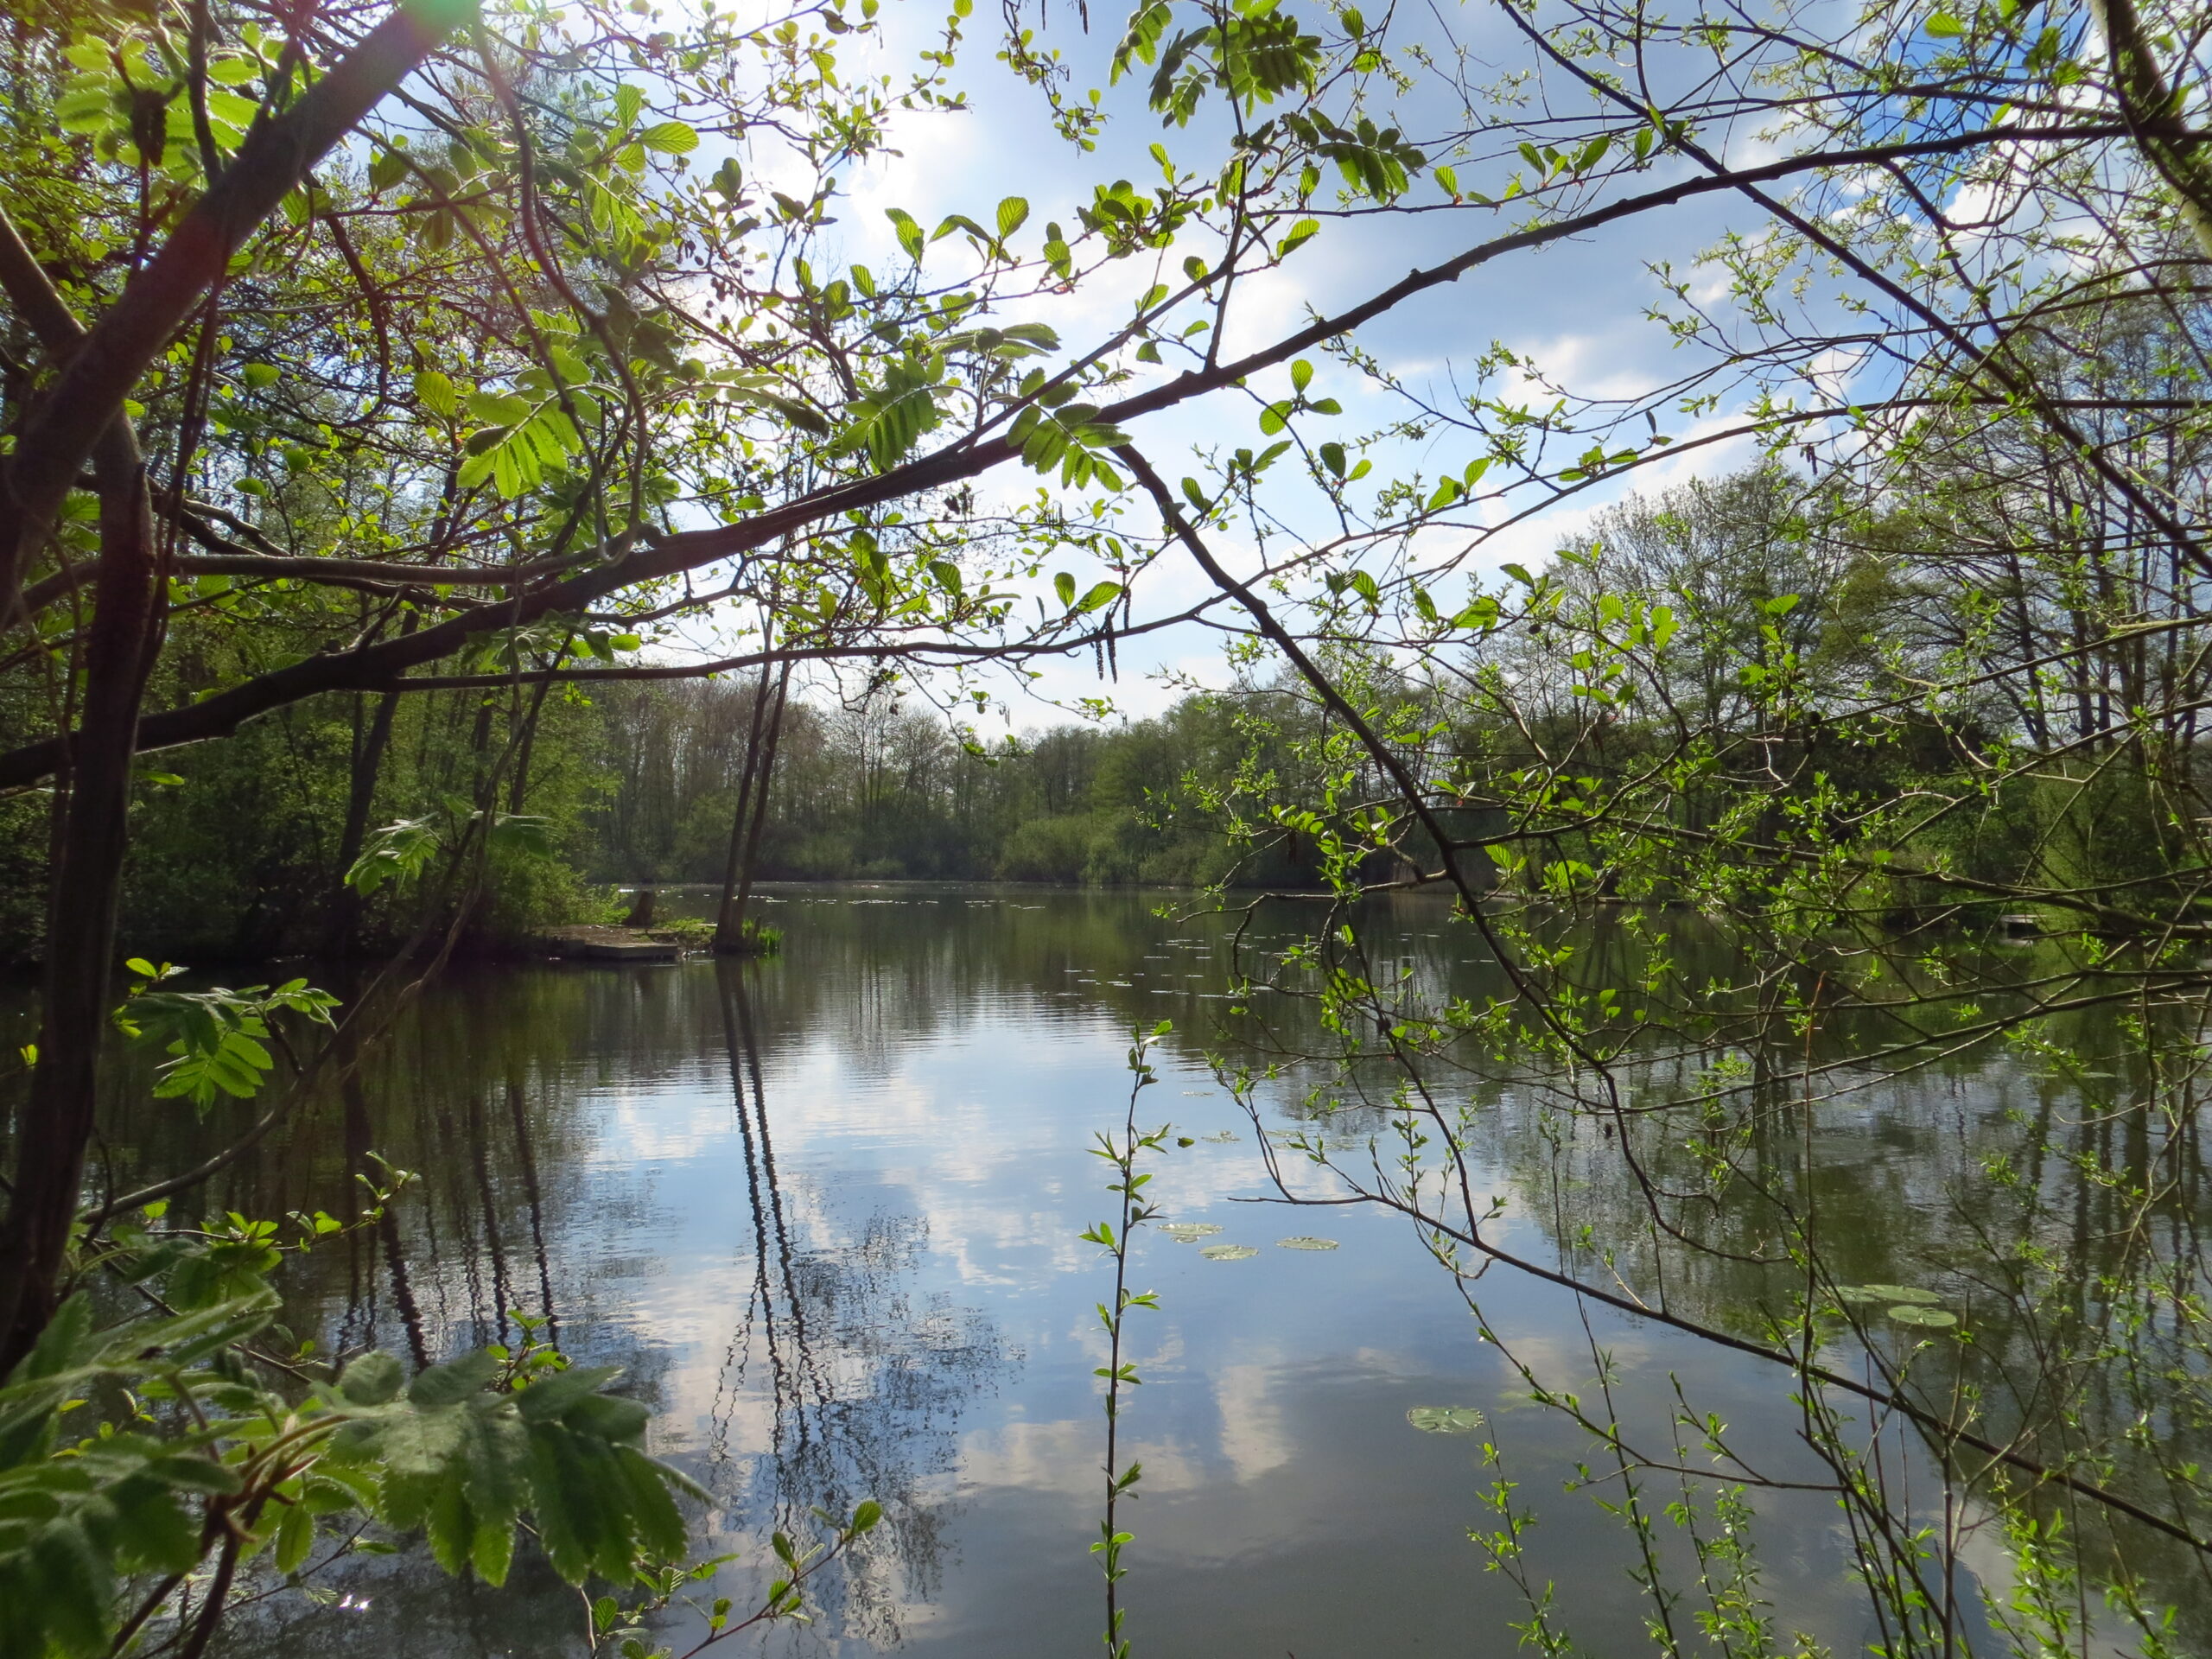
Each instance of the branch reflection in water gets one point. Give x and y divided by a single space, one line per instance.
811 1204
864 1385
551 1116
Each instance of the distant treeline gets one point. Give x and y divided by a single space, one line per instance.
882 790
1756 614
240 850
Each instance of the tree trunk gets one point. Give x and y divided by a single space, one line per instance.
746 818
345 917
57 1119
752 862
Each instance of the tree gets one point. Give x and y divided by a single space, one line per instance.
513 371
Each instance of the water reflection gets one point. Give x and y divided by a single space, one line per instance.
824 1211
605 1149
864 1384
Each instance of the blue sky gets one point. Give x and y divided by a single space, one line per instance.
1577 308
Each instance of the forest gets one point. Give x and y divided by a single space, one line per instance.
1583 618
639 782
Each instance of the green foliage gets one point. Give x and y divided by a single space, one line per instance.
759 938
1845 710
877 794
1122 1151
216 1038
80 1513
472 1446
1445 1420
145 1458
403 851
200 1458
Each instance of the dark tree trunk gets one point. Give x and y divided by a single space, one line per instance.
751 811
344 921
751 864
58 1118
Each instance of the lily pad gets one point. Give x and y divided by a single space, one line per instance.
1220 1138
1188 1232
1906 1294
1304 1242
1229 1252
1444 1420
1935 1319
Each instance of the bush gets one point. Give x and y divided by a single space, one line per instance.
1049 849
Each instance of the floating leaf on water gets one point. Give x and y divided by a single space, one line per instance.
1304 1242
1188 1232
1444 1420
1220 1138
1889 1293
1229 1252
1934 1319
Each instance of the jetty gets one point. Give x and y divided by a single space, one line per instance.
611 944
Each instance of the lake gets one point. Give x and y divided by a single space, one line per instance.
825 1209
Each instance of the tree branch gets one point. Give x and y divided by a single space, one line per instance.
111 358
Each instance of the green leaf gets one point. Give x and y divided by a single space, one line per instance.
1888 1294
1064 585
1444 1420
1013 213
889 419
435 393
76 1585
213 1038
295 1537
373 1380
499 408
803 415
670 138
953 222
549 1397
1189 1232
399 851
454 1381
1934 1319
909 233
387 168
63 1345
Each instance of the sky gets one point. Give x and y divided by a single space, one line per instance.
1579 307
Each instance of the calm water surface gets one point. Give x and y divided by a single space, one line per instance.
825 1210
